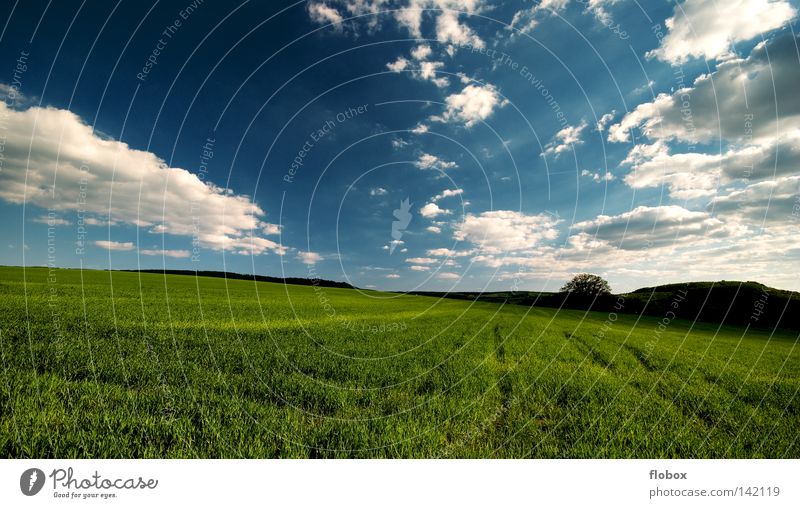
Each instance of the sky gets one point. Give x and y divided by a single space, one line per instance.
405 144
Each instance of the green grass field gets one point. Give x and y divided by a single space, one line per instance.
101 364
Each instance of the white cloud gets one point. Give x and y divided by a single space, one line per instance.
442 252
398 65
428 161
378 191
408 14
392 276
93 221
748 107
604 121
598 8
168 253
565 139
774 203
446 194
421 52
648 227
669 243
324 14
500 231
393 244
448 276
699 28
449 254
146 192
110 245
473 104
693 175
308 258
427 71
270 229
433 229
450 30
431 210
51 221
398 143
597 177
420 129
411 17
761 87
421 261
418 268
526 20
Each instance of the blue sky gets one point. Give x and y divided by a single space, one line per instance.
533 140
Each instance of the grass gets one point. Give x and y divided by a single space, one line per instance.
111 364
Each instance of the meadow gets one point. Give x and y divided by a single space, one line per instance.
111 364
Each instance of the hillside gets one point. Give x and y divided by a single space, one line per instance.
724 302
299 281
116 364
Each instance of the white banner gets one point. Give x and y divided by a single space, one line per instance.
401 483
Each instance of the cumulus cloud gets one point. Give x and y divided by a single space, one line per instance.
428 161
703 29
565 139
719 104
598 177
270 229
748 106
450 30
420 129
398 143
446 194
504 231
308 258
421 261
449 253
419 268
471 105
121 184
768 203
398 65
94 221
431 210
51 220
393 244
392 276
421 52
426 70
648 227
526 20
604 121
170 253
324 14
448 276
433 229
111 245
446 14
694 175
378 191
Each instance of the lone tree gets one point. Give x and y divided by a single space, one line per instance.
587 284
